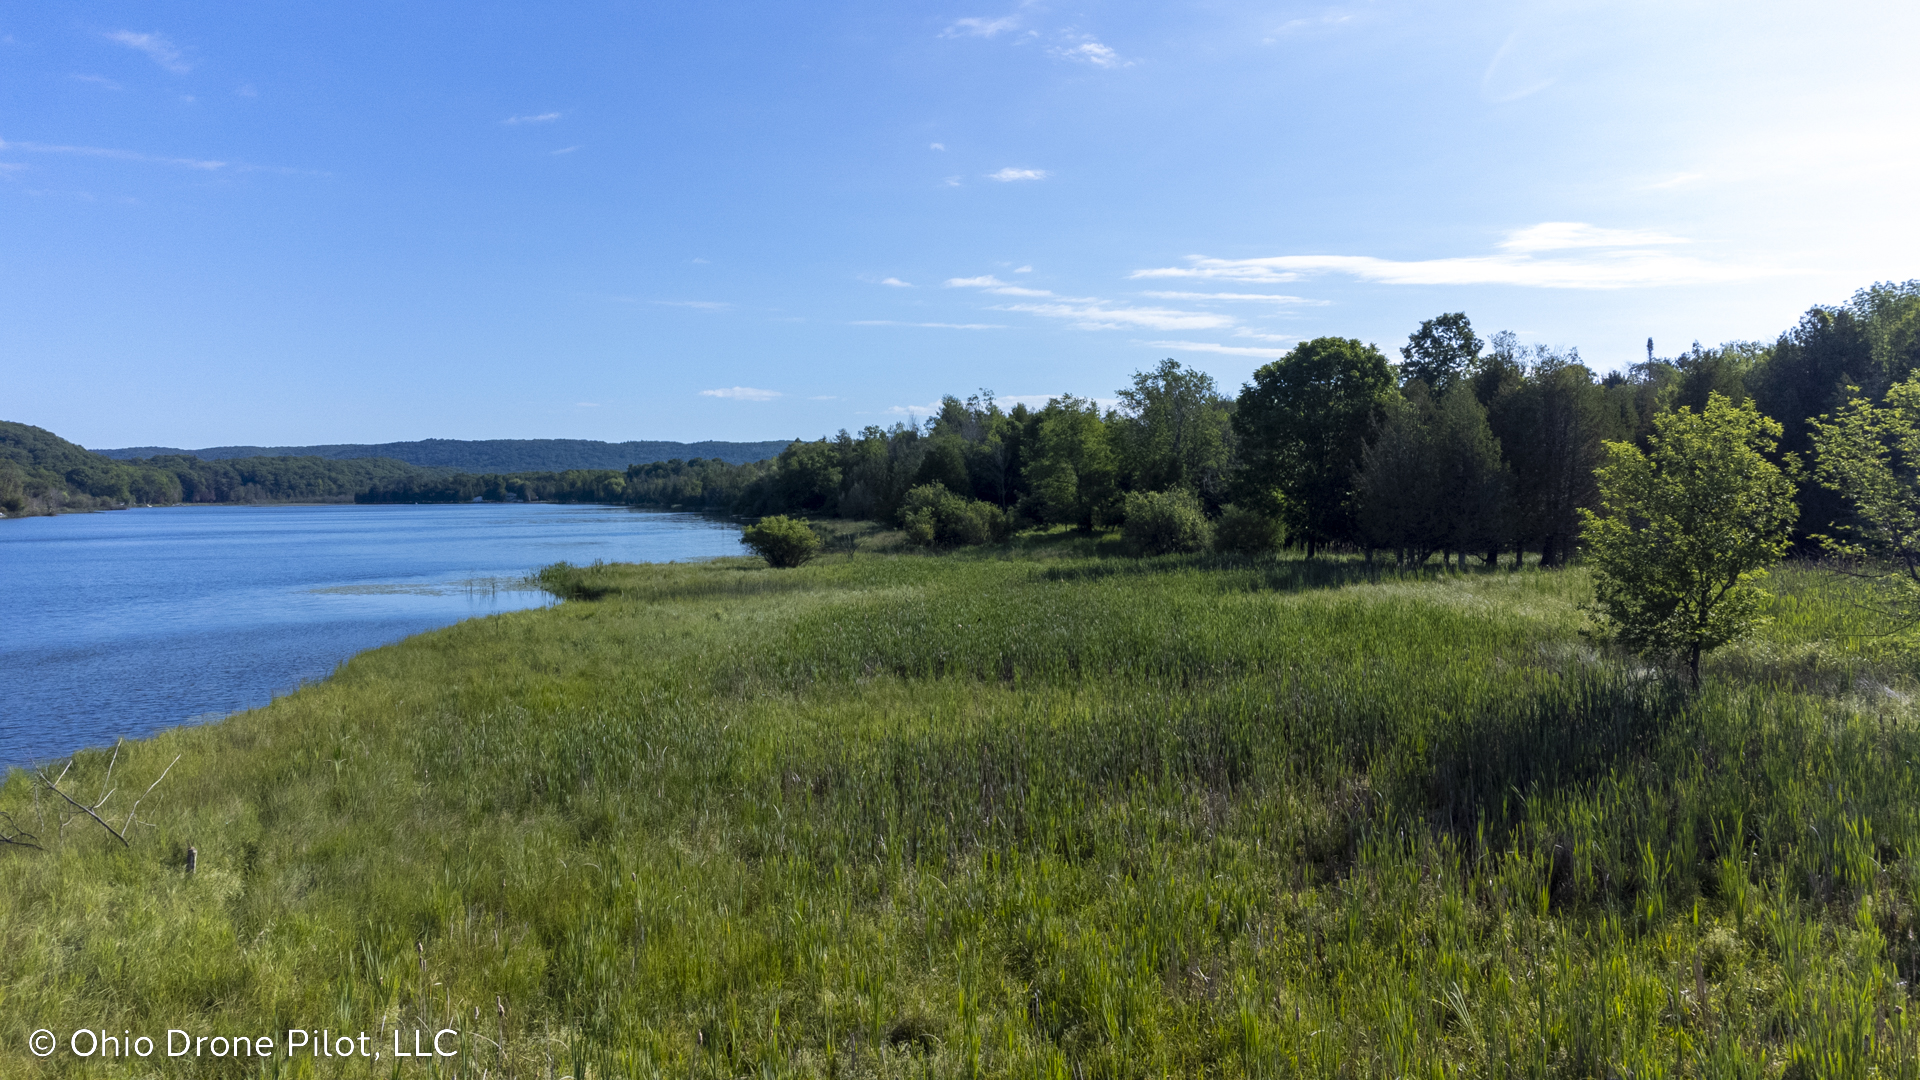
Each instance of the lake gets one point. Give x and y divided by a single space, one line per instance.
125 623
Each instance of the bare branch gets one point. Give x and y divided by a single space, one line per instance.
83 807
149 791
12 833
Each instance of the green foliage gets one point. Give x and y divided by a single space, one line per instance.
1037 814
1175 431
1241 531
1303 424
1071 473
936 517
1551 421
1688 528
1433 479
783 541
1443 352
489 456
1871 457
1166 522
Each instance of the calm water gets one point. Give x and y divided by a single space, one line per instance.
128 622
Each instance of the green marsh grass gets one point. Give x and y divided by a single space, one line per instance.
1032 810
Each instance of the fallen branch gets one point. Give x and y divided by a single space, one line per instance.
83 807
12 833
149 791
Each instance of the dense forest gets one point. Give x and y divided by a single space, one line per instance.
41 473
487 455
1465 447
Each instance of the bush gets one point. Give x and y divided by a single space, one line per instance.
932 516
783 541
1247 532
1163 522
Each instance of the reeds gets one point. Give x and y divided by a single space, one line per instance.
1027 811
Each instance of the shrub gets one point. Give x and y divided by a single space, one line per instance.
1247 532
1162 522
932 516
783 541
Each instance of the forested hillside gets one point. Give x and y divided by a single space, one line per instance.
487 455
41 473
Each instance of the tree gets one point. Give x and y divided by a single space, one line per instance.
1433 479
1070 470
1688 529
783 541
1871 458
1175 431
1441 353
1303 424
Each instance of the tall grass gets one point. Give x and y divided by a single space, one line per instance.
1026 811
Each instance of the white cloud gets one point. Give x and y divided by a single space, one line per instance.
120 155
1565 235
937 146
100 81
157 47
1611 259
1676 180
1092 52
1023 269
929 325
953 181
1207 346
697 305
742 393
563 150
993 285
540 118
1101 315
916 410
1266 298
1010 173
982 27
896 283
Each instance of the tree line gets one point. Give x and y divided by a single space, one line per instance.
41 473
1463 448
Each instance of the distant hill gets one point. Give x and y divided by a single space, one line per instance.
489 455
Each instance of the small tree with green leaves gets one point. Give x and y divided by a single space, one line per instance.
1871 457
783 541
1688 529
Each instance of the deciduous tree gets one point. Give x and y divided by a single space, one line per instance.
1688 528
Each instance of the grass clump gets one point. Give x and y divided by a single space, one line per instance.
1025 810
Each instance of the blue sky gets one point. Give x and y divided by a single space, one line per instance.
281 223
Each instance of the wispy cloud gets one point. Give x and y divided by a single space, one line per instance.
537 118
100 81
981 27
697 305
742 393
1211 347
124 155
1103 315
916 410
1093 313
896 283
1675 180
1010 173
1023 269
929 325
157 47
993 285
1092 52
1257 298
563 150
1608 259
936 146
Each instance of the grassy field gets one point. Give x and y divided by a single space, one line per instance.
1034 810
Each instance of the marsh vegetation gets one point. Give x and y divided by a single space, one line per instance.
1032 808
